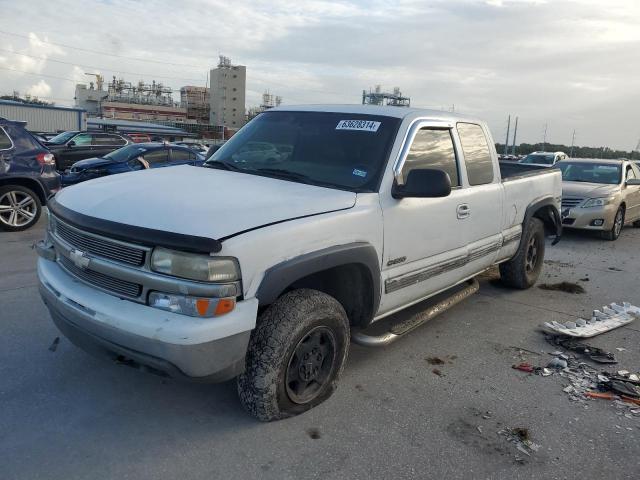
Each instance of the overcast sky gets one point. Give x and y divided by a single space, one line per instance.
568 64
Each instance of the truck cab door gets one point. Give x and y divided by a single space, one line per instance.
424 243
484 205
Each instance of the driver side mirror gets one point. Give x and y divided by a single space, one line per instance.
633 182
423 183
71 143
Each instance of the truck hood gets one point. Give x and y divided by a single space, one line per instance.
200 201
587 190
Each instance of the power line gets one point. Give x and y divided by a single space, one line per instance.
137 59
39 74
47 59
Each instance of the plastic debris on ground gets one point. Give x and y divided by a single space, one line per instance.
520 438
604 320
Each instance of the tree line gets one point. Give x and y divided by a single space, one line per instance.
578 152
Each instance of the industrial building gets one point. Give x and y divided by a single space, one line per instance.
269 100
44 118
228 90
378 97
127 101
197 103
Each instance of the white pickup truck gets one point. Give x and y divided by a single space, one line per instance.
263 267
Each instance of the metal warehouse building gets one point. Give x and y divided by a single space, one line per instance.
44 118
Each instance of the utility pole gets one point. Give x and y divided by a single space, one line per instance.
515 132
544 138
573 141
506 142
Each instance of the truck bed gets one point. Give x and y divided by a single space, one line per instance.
512 170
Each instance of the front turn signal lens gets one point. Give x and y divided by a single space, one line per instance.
192 306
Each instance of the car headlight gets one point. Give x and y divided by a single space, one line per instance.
192 306
195 266
597 202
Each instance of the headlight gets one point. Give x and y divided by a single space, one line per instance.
597 202
192 306
195 266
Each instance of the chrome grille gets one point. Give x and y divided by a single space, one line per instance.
570 202
111 284
99 246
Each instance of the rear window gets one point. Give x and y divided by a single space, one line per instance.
338 150
477 156
5 141
591 172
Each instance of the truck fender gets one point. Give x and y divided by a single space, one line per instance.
280 276
551 217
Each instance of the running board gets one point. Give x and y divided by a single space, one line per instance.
401 328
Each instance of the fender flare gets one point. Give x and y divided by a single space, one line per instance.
277 278
554 215
41 192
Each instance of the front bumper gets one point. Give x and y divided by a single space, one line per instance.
210 350
583 218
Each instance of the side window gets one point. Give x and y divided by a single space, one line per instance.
432 149
5 141
179 155
636 170
476 154
156 158
630 173
135 164
82 139
111 139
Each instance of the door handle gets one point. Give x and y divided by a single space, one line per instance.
463 211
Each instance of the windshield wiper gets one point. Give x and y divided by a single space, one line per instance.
223 166
278 172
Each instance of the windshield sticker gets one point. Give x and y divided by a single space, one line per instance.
366 125
359 173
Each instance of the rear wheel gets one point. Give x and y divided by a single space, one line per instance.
20 208
523 270
295 356
616 229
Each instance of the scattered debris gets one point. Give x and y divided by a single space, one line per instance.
524 367
567 287
54 345
438 372
314 433
557 363
620 349
585 279
594 353
616 269
521 439
546 372
610 317
434 360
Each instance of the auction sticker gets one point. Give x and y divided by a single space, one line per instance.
366 125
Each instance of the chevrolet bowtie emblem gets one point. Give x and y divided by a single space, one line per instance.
79 259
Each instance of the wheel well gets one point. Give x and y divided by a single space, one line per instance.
545 214
350 284
27 183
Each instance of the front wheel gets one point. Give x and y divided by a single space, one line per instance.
295 356
523 270
20 208
616 229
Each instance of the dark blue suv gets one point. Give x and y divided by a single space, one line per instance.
137 156
27 176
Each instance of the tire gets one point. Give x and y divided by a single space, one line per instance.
301 324
616 229
636 224
20 208
523 270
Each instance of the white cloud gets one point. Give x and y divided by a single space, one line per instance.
40 89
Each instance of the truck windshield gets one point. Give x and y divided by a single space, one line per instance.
337 150
61 138
606 173
541 159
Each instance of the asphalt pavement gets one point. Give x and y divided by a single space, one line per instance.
428 406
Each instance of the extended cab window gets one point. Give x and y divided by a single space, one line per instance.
82 139
432 149
477 156
157 158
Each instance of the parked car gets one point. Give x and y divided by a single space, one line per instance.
140 137
196 147
212 149
69 147
546 159
137 156
265 272
601 195
27 176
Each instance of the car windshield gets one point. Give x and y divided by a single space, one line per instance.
337 150
126 153
62 138
606 173
538 158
